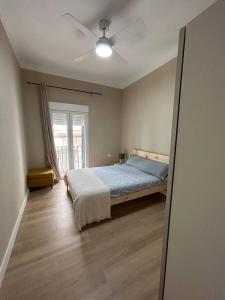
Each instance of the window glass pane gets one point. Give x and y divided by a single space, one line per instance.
60 133
79 140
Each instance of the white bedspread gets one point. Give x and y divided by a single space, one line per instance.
91 197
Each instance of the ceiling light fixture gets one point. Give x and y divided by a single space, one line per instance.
104 47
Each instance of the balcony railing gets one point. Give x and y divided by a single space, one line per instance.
63 158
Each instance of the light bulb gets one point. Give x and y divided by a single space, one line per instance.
103 49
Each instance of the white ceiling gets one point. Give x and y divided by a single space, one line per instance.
44 41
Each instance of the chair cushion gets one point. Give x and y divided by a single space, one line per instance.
40 173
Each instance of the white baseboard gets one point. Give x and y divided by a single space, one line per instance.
7 255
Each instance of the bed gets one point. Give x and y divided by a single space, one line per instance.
95 190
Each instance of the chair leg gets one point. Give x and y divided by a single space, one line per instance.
51 186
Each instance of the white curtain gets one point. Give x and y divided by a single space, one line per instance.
50 151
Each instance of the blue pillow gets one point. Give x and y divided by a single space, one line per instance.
155 168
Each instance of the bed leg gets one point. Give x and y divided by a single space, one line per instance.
66 183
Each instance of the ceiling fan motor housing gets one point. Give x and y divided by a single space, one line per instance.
104 24
104 40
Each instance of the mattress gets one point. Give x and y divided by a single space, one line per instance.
125 179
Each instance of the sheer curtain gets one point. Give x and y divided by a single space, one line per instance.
50 151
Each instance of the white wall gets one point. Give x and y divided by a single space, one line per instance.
12 143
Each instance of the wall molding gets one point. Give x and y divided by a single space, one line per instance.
8 251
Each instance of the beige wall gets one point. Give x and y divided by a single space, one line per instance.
147 111
196 247
12 143
104 116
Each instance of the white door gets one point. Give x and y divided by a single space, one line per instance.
70 131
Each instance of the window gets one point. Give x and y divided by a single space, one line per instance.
70 131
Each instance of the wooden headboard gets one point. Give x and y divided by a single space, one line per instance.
151 155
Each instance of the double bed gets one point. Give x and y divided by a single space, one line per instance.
95 190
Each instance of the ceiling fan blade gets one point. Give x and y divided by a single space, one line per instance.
134 31
72 20
119 57
84 56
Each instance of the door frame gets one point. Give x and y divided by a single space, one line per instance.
173 146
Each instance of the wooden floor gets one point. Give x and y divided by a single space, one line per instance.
117 259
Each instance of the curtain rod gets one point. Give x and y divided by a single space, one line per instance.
68 89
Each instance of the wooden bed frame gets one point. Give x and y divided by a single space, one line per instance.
135 195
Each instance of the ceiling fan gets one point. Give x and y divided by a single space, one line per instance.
105 46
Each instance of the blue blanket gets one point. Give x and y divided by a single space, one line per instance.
124 179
